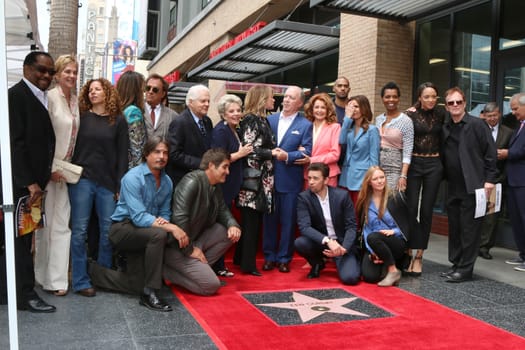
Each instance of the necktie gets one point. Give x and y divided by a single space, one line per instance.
521 127
201 127
152 116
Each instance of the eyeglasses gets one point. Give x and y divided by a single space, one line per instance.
452 103
44 70
152 88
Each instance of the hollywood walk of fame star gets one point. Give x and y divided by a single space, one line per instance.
310 308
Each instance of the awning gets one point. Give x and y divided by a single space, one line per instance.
399 10
279 44
21 29
177 92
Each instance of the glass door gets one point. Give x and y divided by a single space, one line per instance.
510 77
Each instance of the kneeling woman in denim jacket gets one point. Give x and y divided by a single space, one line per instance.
385 229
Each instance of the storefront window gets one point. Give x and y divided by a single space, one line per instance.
472 48
512 31
434 53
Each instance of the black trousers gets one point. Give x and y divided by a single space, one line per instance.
390 249
464 232
516 209
424 177
246 250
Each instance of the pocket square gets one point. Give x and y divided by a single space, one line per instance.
295 132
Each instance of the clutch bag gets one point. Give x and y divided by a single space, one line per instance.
70 171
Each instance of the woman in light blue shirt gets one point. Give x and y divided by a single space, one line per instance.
385 228
362 144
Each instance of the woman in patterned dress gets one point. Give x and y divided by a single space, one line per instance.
254 201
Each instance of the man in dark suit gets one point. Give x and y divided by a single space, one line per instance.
516 180
326 219
157 116
190 134
293 133
501 135
32 151
469 157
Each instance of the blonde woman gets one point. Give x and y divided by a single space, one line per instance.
52 242
254 201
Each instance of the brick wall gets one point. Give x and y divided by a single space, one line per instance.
373 52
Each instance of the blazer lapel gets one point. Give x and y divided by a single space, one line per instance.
290 129
317 207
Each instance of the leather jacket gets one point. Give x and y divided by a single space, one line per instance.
197 205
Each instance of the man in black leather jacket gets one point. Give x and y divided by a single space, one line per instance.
199 210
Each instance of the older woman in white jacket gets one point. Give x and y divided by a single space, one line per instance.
52 243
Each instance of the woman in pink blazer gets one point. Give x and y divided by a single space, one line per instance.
320 111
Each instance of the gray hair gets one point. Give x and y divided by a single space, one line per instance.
520 97
225 101
195 91
490 107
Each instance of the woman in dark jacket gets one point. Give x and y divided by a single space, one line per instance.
385 229
256 195
225 136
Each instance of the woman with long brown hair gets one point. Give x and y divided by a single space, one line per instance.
130 87
362 144
385 228
102 150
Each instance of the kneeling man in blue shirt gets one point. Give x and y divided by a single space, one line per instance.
141 227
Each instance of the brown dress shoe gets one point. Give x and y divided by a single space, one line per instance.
87 292
268 265
284 267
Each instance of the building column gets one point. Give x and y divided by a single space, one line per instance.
373 52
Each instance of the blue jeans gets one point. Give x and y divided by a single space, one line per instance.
82 197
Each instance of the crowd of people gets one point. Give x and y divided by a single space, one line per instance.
155 197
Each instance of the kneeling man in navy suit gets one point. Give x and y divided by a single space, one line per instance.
326 219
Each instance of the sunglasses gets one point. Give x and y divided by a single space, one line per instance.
43 70
452 103
152 88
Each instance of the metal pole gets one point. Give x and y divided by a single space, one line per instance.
5 149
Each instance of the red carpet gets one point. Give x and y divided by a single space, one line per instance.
393 318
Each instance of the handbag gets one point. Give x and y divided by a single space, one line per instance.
251 179
71 172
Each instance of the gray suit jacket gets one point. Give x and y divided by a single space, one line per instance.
163 124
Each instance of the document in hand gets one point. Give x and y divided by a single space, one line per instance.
490 205
30 213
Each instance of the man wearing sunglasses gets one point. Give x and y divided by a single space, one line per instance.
469 157
157 116
32 151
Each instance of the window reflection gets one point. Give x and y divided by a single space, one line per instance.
472 49
512 31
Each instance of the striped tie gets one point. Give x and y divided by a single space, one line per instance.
201 127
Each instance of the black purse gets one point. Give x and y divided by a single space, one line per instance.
251 179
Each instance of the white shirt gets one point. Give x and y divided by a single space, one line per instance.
41 95
157 113
325 206
494 130
283 125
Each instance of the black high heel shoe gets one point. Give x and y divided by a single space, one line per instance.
416 273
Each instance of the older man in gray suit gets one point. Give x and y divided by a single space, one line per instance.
157 116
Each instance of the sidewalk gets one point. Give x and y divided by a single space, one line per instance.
494 269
